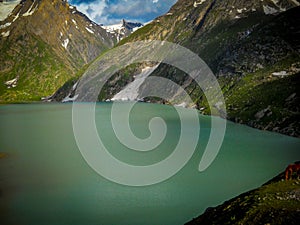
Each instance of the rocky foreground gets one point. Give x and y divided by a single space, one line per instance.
276 202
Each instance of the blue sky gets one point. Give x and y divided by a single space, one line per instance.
112 11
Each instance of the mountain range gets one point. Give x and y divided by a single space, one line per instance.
251 46
248 45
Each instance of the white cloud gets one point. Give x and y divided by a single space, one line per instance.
111 12
92 10
132 7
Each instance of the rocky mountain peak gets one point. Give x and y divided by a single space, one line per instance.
37 30
58 24
131 25
124 29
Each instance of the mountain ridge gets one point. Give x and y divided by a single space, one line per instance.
251 46
46 41
245 43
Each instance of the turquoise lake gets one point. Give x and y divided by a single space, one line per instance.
44 179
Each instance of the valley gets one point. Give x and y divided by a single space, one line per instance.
56 121
246 48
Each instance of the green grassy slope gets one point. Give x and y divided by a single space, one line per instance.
38 69
244 46
243 50
44 44
277 202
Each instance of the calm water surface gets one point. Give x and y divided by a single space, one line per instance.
45 180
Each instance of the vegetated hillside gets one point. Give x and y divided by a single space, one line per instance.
251 46
277 202
248 45
43 44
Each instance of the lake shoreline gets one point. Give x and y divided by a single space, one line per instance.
251 123
46 172
274 202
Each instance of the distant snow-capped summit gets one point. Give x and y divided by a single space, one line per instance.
123 29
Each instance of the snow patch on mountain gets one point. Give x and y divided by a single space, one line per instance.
296 2
198 3
65 43
275 1
75 23
183 105
11 83
5 25
30 10
131 91
276 7
241 10
16 17
268 10
89 30
122 29
281 73
6 8
5 34
113 28
70 99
